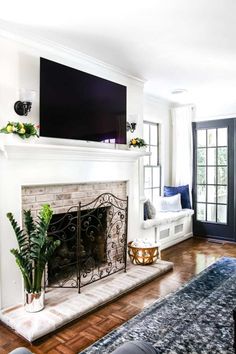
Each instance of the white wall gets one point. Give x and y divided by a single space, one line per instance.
19 68
158 111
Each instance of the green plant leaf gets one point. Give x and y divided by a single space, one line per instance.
35 248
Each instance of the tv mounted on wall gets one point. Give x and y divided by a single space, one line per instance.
78 105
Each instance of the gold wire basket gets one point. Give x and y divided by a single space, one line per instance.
142 255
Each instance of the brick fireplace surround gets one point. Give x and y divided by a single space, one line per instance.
65 197
61 197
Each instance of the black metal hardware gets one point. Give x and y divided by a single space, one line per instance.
22 108
130 127
93 242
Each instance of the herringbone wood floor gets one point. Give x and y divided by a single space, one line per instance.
189 257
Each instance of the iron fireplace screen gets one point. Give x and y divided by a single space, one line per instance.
93 242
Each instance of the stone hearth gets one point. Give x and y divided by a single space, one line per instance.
65 305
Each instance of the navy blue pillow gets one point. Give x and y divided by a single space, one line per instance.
183 190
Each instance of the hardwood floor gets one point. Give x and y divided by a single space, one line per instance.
189 257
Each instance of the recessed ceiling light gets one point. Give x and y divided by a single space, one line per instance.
178 91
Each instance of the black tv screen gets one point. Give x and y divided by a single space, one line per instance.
78 105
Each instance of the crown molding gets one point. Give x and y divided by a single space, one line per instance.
157 99
61 50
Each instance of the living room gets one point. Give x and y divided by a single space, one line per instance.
117 162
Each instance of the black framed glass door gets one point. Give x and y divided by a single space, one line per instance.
213 182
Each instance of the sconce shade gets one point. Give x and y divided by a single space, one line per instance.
27 95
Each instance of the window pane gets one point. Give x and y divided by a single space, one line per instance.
211 194
148 193
201 138
222 175
222 192
156 176
201 193
222 213
222 136
201 175
153 135
151 169
211 175
201 212
156 196
146 133
211 212
211 137
146 159
153 158
211 156
147 177
201 156
222 156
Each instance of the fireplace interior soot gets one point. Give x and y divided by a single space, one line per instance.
90 251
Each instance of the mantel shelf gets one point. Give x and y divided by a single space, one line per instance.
29 150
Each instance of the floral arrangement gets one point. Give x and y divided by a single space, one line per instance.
23 130
137 142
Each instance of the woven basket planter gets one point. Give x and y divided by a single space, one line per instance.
142 256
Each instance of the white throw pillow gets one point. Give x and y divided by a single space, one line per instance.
170 203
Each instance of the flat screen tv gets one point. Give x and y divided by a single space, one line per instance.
78 105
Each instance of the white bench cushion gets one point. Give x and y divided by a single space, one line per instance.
166 218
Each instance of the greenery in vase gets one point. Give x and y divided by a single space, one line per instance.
35 247
23 130
137 142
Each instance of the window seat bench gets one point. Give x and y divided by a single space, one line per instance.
170 227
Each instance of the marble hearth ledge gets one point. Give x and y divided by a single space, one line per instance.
29 150
66 305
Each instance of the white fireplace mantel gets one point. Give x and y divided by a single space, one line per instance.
29 150
38 163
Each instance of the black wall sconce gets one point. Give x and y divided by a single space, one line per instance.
23 106
130 127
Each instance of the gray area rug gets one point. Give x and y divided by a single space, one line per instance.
196 319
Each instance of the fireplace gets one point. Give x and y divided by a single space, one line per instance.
60 176
91 223
90 219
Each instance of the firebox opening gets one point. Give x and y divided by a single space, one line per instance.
89 250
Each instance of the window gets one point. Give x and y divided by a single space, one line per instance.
212 174
152 168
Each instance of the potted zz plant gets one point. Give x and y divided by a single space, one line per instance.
35 249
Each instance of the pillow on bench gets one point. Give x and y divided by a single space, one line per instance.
170 203
183 190
149 210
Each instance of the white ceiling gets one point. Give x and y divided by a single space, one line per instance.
172 44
